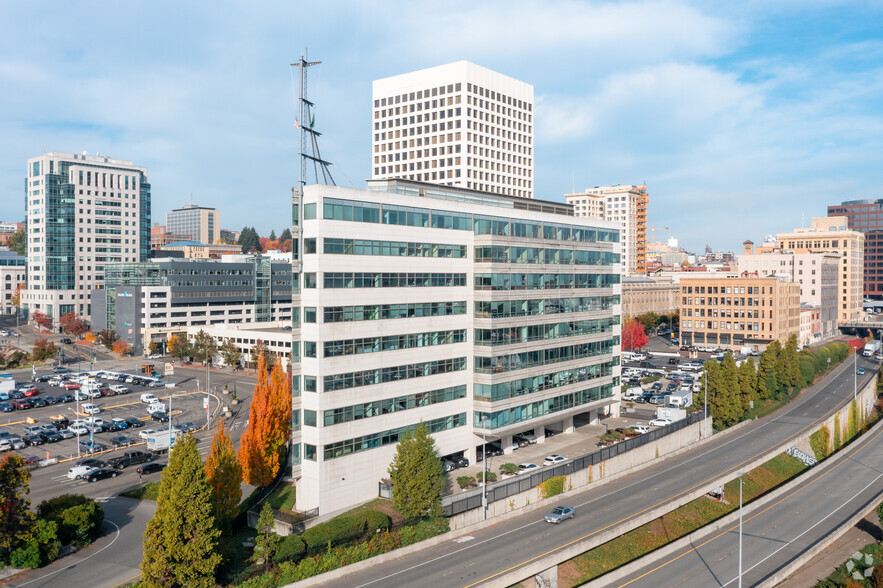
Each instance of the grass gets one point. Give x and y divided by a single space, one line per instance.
282 498
842 577
150 491
682 521
766 407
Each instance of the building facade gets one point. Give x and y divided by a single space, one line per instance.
149 302
626 205
734 312
197 250
816 273
13 272
83 213
457 124
159 236
866 216
831 234
643 295
201 223
472 312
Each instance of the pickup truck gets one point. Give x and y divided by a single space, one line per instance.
130 458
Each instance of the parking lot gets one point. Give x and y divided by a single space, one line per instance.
123 425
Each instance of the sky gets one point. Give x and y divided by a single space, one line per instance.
742 118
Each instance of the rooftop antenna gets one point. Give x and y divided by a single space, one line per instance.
304 123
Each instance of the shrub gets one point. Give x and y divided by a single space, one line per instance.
41 547
375 519
464 481
78 518
491 477
552 486
509 468
820 441
343 528
291 547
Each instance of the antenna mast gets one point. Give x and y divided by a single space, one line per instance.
305 123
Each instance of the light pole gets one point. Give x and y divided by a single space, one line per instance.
855 375
705 409
740 529
484 420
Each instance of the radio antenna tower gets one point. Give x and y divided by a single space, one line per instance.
305 123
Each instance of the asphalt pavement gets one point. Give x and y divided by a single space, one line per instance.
478 556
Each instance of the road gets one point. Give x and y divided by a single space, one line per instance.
777 533
479 556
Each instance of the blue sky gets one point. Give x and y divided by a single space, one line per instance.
741 117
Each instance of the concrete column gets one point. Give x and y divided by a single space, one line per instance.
506 440
595 420
567 424
470 454
615 409
540 433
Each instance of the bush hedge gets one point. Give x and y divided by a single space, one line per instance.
291 547
553 486
78 518
343 528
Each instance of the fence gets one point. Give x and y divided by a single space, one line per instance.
501 490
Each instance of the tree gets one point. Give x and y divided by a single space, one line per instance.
766 373
42 319
747 383
19 242
272 235
204 346
153 348
417 475
107 338
224 475
790 362
285 235
15 299
230 353
43 349
650 320
725 399
181 541
15 517
79 518
178 347
266 541
633 336
260 350
261 448
248 240
71 323
121 347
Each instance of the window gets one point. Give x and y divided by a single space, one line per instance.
310 452
309 314
309 349
309 418
310 245
310 383
310 211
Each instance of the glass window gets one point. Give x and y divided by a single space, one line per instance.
309 418
310 452
309 383
309 349
310 211
309 314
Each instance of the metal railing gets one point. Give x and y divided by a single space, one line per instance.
454 505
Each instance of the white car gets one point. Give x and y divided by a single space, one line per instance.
524 468
641 429
90 408
77 473
660 422
78 429
149 398
553 459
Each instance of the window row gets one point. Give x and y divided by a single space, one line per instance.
528 333
341 314
388 280
540 306
527 359
543 281
503 254
393 342
391 437
392 248
370 212
520 414
393 374
389 405
504 390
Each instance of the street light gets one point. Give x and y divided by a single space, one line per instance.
855 375
740 529
705 393
484 421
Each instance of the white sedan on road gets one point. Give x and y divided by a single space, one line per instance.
660 422
553 459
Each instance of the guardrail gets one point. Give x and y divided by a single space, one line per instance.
454 505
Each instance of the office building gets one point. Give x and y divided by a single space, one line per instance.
626 205
444 305
149 302
641 295
201 223
159 236
458 125
83 212
197 250
816 273
731 313
832 234
866 216
13 272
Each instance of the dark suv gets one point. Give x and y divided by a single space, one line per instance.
130 458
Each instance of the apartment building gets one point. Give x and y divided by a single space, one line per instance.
201 223
458 124
626 205
732 312
470 311
83 213
149 302
866 216
816 273
13 271
832 234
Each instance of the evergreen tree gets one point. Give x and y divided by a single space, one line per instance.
272 236
791 363
15 517
224 475
266 541
766 373
417 475
747 383
19 242
285 235
204 346
181 541
727 405
249 240
779 372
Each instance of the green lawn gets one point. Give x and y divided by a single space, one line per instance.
282 498
149 492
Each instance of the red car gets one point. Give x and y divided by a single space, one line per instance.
106 392
32 391
21 404
70 386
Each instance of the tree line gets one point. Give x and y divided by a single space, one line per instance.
252 242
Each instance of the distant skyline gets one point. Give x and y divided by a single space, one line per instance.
742 118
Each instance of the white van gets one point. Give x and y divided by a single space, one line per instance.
156 407
120 389
90 408
149 399
633 393
77 473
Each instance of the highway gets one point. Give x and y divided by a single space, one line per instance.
777 533
477 557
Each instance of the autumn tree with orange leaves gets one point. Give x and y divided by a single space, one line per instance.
224 476
261 448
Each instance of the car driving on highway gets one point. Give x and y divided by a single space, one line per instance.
560 513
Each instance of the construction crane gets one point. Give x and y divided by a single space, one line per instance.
653 232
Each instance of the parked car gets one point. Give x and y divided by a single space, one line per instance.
151 467
100 474
51 436
6 407
67 341
190 426
553 459
524 468
39 402
120 441
66 434
660 422
156 407
78 429
33 440
118 424
92 447
30 391
90 408
65 398
60 369
22 404
641 429
448 465
560 513
159 416
133 422
149 399
70 385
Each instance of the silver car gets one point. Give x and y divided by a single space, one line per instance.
559 514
